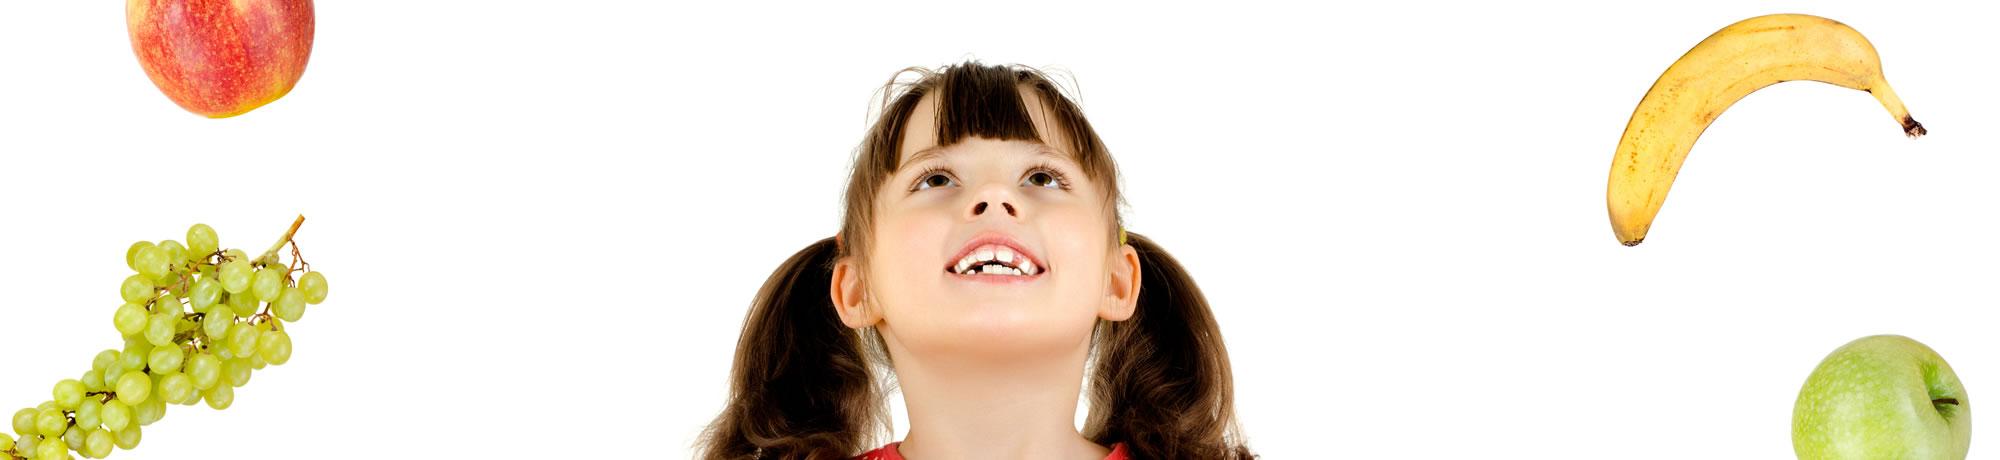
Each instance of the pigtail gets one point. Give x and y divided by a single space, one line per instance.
802 385
1161 384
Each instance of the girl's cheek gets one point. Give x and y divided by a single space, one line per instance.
1080 227
908 238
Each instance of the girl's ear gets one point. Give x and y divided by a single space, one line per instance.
1121 295
848 293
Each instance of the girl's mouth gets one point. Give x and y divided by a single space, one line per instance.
995 256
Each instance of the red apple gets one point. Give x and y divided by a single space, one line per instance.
221 58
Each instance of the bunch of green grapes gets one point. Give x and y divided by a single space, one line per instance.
196 321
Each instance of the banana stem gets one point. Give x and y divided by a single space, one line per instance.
1887 96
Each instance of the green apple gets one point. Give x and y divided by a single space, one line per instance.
1882 397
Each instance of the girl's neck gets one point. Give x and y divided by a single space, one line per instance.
977 408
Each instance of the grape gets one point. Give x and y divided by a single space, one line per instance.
235 275
215 323
291 304
257 360
87 413
133 255
127 438
49 449
236 372
220 397
136 289
205 369
168 303
274 347
206 293
134 356
207 271
115 415
110 378
150 411
150 262
50 422
24 422
160 329
242 304
165 359
314 285
133 387
6 442
92 380
73 438
104 360
242 339
130 319
27 444
69 393
174 252
175 387
201 241
97 444
266 284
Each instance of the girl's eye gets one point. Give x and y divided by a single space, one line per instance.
935 179
1044 179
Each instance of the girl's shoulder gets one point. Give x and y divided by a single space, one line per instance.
888 452
1118 453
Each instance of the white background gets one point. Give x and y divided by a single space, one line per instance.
543 222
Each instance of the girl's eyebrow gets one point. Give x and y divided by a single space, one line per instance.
927 154
1048 151
938 151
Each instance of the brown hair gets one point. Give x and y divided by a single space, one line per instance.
803 385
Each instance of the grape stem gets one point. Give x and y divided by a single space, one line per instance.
271 256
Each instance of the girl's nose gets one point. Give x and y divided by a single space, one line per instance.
980 209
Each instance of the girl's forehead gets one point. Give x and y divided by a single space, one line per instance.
921 133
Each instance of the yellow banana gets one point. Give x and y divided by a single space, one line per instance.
1732 63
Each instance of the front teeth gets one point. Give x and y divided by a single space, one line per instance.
995 260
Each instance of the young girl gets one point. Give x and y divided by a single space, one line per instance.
983 261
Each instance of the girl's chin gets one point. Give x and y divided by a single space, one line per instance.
996 330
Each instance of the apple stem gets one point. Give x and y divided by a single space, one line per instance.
1951 401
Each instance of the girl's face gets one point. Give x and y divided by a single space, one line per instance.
992 247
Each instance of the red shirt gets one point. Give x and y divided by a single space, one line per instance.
888 452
